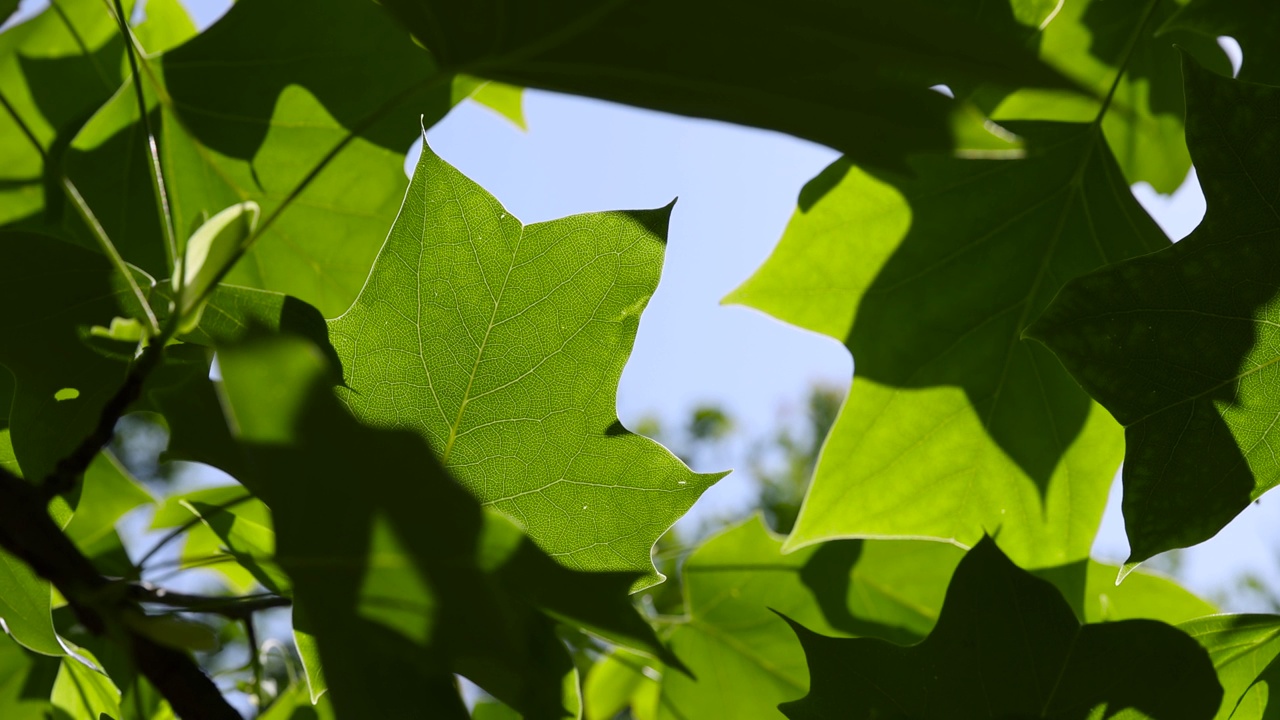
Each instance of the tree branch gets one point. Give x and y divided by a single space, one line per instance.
69 469
235 608
27 531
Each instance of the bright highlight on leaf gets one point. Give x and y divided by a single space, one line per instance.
501 345
210 249
955 426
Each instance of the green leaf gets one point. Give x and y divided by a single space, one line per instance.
1180 345
347 82
1253 23
295 704
619 681
55 69
502 345
464 593
26 680
506 100
810 68
82 692
1008 645
55 290
108 492
1092 41
954 426
25 606
232 523
210 249
743 656
1243 649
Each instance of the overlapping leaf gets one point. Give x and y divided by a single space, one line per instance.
502 345
1093 41
1244 650
745 660
464 592
852 75
246 111
954 425
55 70
1181 345
1253 23
1008 645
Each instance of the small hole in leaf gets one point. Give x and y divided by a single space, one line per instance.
66 394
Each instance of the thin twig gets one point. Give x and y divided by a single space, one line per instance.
28 532
184 527
235 608
109 249
153 153
69 470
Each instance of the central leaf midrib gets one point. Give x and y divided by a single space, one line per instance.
484 341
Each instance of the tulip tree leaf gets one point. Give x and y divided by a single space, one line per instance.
737 62
1015 652
502 345
1253 23
954 425
465 593
1093 40
746 660
1180 345
1243 649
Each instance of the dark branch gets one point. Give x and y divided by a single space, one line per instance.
27 531
236 608
67 472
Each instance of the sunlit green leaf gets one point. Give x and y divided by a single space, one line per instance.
465 593
1007 645
502 345
26 680
1244 650
1180 345
954 425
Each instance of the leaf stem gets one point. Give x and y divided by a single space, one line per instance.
1128 55
69 469
109 249
22 125
184 527
153 153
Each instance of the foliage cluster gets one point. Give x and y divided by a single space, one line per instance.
415 392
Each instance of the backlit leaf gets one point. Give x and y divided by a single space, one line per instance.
955 426
502 345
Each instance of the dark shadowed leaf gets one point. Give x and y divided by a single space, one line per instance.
1180 345
1253 23
1007 645
852 75
465 592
